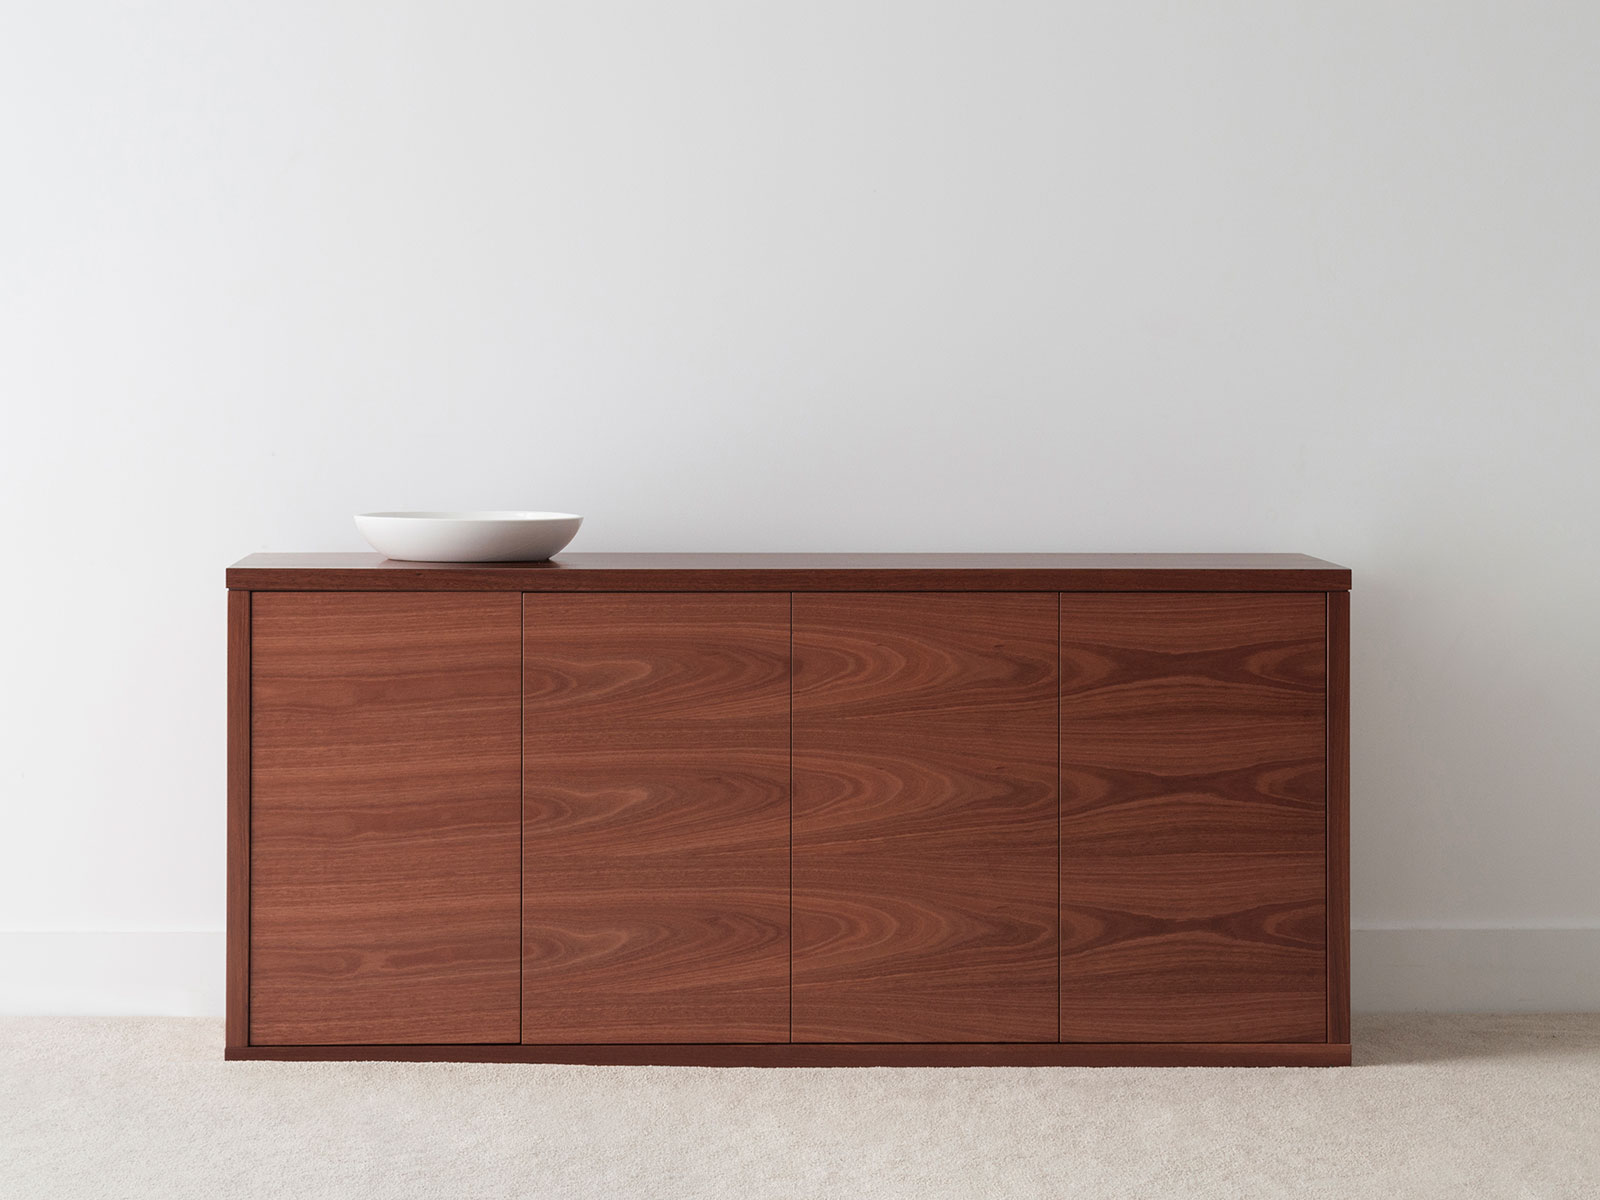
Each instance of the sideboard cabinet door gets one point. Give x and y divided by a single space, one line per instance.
925 819
384 818
1193 817
656 800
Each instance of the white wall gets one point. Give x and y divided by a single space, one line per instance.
927 275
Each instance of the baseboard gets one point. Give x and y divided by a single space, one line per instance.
111 974
1475 970
1392 970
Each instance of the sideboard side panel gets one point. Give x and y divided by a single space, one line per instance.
237 1006
656 806
1338 816
925 824
1194 820
385 818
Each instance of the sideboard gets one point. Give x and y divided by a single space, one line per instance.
790 809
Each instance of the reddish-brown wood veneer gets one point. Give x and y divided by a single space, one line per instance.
925 818
790 809
1193 820
656 818
385 816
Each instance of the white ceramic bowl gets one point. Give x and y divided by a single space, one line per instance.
468 536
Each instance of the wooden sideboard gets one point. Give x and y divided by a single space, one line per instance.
790 809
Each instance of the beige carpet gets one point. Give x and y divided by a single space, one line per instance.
1436 1106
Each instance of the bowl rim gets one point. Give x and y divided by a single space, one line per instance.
465 516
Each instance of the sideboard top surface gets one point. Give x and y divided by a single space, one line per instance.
799 573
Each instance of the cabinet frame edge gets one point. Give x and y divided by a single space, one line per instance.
839 1054
237 1004
1334 1052
1338 810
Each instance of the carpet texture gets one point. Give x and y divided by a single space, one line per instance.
1458 1106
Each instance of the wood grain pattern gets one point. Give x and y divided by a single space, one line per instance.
236 1023
657 818
1338 816
1193 818
385 818
799 573
925 818
893 1054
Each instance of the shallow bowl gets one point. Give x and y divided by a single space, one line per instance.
468 536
